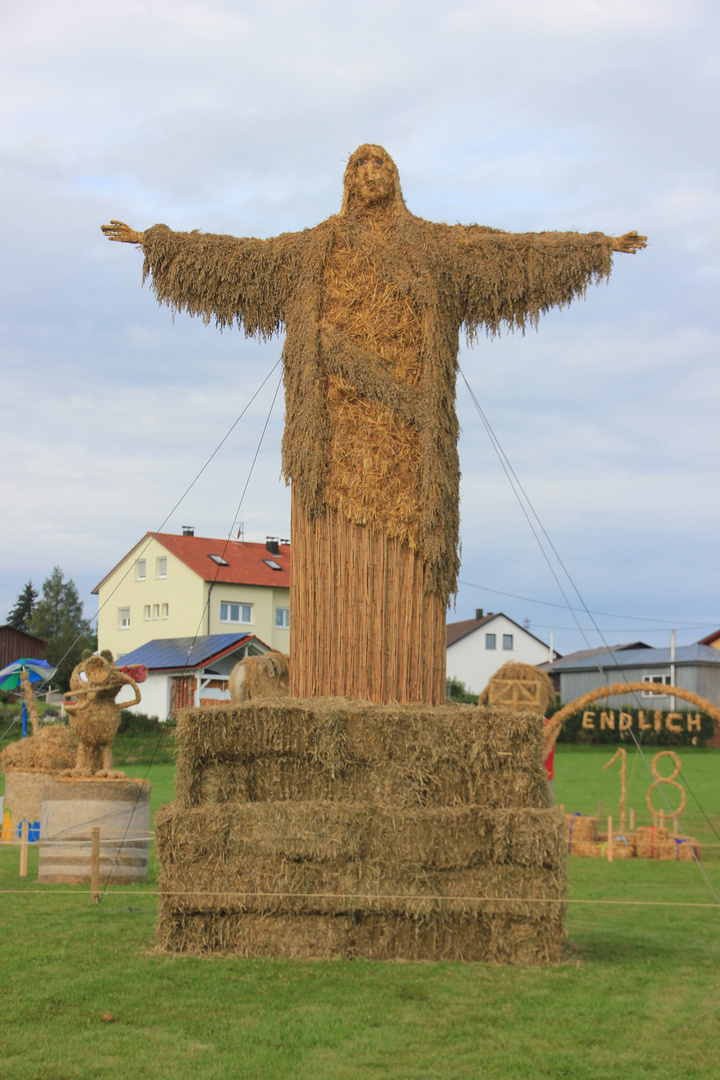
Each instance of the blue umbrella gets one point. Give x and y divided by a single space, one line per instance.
37 671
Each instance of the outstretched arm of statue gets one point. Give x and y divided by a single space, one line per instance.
512 278
629 242
122 233
225 278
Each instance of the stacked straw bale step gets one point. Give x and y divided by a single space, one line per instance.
325 828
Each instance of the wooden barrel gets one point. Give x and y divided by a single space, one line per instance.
72 807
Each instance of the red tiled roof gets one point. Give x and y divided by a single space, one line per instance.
246 565
710 639
457 630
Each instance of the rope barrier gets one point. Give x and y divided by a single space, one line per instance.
83 843
80 890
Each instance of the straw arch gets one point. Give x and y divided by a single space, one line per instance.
553 729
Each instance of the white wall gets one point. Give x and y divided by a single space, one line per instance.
473 664
156 691
154 696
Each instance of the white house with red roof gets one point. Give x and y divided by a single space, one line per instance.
477 648
188 586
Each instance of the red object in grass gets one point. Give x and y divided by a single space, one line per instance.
108 1018
549 761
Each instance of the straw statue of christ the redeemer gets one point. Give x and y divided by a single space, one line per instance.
372 301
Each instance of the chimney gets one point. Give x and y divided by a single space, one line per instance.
272 545
188 530
478 613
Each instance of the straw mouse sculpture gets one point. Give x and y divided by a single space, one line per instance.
95 717
372 300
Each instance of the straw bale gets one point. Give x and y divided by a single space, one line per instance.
267 884
519 688
588 849
307 937
648 839
336 730
346 831
622 849
51 750
656 842
478 937
679 849
580 827
427 830
337 749
413 784
449 783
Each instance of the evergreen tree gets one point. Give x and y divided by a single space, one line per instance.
19 616
58 618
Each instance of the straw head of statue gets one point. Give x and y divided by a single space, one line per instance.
371 181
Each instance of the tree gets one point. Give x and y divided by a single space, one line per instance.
58 618
19 616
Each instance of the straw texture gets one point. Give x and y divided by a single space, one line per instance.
373 301
339 828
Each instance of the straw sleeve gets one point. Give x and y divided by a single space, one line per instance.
245 281
513 278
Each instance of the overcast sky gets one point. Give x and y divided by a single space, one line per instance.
238 118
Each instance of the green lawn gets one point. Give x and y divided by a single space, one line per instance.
633 974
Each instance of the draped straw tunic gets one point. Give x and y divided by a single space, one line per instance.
372 309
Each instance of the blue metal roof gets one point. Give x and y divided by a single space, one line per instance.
635 658
186 651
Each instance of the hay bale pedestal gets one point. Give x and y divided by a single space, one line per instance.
23 794
71 806
325 828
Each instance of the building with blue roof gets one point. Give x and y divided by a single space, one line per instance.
188 671
691 667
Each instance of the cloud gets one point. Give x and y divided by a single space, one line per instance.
238 117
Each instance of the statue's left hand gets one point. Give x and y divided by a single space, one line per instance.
629 243
122 233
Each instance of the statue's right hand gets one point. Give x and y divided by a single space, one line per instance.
122 233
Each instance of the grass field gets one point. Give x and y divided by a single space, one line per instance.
621 1006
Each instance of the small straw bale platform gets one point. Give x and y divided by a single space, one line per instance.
580 829
329 828
656 842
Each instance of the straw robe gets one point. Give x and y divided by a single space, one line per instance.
372 312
